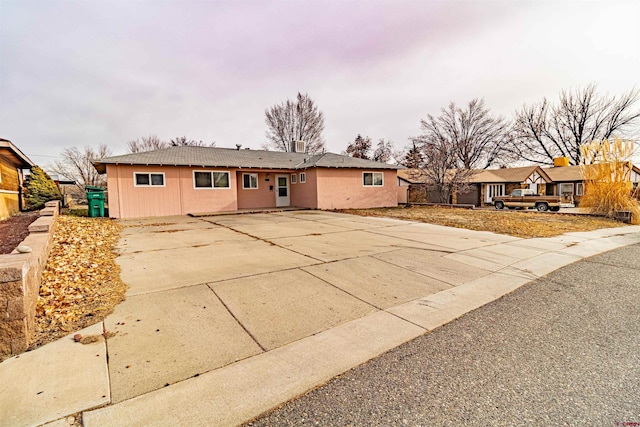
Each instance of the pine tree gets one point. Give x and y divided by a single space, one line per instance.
413 159
39 188
359 148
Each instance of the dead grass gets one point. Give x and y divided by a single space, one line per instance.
81 282
513 223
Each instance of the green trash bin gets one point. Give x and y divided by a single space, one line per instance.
95 197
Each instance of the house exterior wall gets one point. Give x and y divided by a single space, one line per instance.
324 189
262 197
305 194
177 197
343 189
9 189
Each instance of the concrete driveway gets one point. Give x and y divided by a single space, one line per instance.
207 292
229 316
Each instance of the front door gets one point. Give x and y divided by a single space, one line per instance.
282 191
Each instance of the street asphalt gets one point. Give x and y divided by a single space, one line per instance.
561 350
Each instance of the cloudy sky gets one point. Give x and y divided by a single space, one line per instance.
78 73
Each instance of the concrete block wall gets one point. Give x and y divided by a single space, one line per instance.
20 276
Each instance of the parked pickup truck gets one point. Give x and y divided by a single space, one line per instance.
526 199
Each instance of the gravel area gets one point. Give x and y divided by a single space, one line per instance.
563 350
13 230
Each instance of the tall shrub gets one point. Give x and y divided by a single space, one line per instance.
606 169
39 188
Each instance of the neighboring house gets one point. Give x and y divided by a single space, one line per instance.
569 181
183 180
67 187
490 183
405 180
483 185
12 163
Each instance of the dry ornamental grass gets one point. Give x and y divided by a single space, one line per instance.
513 223
81 282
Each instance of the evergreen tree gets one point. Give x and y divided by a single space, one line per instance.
39 188
359 148
413 159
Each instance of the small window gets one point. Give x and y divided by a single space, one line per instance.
294 178
372 179
149 179
250 181
303 177
211 179
579 189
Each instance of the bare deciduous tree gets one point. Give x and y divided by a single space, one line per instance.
440 166
76 165
384 151
298 120
478 139
457 142
359 148
543 131
181 141
148 143
152 142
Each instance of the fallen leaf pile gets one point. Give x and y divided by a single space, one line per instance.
81 282
514 223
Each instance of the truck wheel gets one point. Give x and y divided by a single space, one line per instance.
542 207
499 205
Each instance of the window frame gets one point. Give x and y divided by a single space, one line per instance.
579 188
150 184
373 181
294 178
303 177
213 181
249 174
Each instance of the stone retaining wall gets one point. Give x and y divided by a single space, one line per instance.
20 275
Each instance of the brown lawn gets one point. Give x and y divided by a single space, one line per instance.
524 224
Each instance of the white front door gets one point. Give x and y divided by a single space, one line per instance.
493 190
282 191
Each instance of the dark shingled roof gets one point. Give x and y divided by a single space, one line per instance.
232 158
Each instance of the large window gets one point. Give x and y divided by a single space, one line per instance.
206 179
250 181
566 189
372 179
150 179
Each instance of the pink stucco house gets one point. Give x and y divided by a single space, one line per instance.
192 180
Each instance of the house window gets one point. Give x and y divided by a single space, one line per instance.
372 179
579 189
303 177
250 181
493 190
143 179
202 179
566 189
294 178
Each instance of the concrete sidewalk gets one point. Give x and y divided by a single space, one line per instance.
229 316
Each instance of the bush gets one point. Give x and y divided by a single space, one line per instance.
39 188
